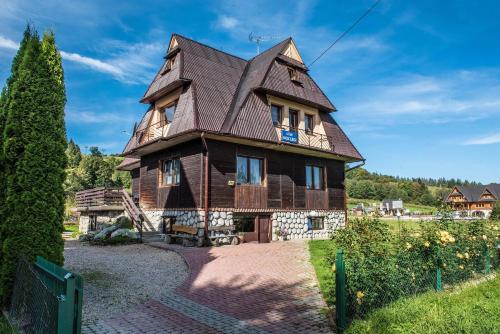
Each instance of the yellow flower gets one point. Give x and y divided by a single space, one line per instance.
466 255
460 256
461 266
473 237
485 237
408 245
334 267
360 294
427 244
444 265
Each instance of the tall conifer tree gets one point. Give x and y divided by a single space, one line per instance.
34 145
4 106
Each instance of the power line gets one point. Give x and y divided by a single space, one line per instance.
347 31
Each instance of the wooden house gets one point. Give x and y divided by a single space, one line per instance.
249 144
474 200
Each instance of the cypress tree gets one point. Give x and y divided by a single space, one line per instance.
4 105
34 145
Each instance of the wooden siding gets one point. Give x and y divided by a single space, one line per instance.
284 185
135 174
187 194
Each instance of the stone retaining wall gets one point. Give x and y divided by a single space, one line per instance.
104 219
294 223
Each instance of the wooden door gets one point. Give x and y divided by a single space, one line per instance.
264 230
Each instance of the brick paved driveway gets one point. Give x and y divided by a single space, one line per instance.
250 288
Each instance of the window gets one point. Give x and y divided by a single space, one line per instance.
244 224
309 123
317 223
293 118
171 172
293 74
314 178
249 170
276 114
169 65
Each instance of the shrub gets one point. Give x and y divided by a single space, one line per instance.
382 267
495 213
124 222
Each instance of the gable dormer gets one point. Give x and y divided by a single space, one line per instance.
456 196
292 52
487 195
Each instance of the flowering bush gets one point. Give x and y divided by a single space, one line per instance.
382 267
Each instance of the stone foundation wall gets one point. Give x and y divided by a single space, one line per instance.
104 219
293 222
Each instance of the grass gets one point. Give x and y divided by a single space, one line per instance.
71 228
473 309
318 250
353 202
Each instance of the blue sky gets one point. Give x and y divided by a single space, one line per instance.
417 84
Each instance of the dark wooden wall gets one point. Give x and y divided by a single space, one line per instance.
284 185
135 173
185 195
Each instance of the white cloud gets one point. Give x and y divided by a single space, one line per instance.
485 140
129 63
227 22
6 43
437 99
92 63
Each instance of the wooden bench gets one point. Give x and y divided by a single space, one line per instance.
233 238
188 235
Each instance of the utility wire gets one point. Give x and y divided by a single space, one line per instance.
347 31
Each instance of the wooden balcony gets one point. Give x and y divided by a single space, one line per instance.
99 199
305 138
151 132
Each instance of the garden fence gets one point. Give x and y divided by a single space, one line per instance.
46 299
370 280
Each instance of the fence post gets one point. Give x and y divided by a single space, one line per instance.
487 260
66 312
340 292
439 284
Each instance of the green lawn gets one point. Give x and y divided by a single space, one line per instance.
71 228
318 250
474 309
352 202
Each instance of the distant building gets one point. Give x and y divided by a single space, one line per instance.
474 200
392 206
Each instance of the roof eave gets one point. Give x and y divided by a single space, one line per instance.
165 90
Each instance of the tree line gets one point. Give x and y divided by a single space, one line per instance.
32 157
363 184
92 170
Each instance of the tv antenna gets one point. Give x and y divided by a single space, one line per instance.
259 39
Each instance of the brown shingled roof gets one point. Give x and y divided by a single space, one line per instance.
225 94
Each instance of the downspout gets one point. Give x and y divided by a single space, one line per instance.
205 182
345 188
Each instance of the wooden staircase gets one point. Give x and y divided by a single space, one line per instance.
138 217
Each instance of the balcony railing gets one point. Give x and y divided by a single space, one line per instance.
285 134
151 132
99 197
304 138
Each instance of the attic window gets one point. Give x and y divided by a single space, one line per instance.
294 75
168 66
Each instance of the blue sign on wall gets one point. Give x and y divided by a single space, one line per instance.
289 136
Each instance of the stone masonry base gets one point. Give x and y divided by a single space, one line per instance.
294 223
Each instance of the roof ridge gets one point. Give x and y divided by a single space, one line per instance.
208 46
234 109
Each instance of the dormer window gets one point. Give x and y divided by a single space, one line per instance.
169 65
294 75
276 114
167 113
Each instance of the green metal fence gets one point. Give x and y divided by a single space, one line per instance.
46 298
357 294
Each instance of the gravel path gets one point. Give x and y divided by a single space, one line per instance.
118 277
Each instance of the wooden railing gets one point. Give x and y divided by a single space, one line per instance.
98 197
151 132
306 138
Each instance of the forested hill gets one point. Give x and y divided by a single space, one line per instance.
364 184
